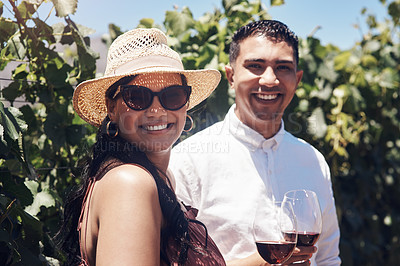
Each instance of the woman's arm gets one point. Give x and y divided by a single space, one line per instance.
129 217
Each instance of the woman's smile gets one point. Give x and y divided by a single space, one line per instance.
157 127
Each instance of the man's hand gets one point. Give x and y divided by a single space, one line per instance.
301 254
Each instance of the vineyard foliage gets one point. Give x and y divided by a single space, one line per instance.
347 106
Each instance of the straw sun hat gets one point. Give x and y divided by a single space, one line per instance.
139 51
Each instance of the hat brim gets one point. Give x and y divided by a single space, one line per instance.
89 97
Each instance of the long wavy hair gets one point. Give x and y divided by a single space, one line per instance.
107 148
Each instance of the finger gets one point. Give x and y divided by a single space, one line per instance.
304 263
305 250
299 258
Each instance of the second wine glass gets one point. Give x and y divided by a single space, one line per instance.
308 214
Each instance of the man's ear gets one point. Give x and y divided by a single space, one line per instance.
299 75
111 108
229 74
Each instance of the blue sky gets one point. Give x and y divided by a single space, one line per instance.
336 17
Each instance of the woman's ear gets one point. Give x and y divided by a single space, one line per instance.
111 108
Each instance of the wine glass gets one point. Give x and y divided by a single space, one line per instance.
308 214
275 231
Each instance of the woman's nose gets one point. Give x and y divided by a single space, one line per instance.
156 108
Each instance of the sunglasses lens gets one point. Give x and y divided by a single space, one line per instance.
175 97
136 97
172 98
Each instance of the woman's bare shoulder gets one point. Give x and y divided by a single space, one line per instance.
130 175
127 182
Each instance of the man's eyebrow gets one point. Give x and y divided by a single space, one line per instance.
254 60
285 61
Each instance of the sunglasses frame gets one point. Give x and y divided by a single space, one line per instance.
124 88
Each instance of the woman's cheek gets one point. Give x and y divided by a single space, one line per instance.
127 124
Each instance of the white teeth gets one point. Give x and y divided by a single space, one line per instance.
267 96
153 128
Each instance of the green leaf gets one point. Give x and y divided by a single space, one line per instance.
115 31
179 22
75 133
17 189
369 60
26 10
327 71
316 123
44 31
243 7
355 102
65 7
341 91
20 72
12 91
9 127
85 31
323 92
277 2
389 79
33 231
228 4
56 76
371 46
394 10
18 117
29 118
4 147
54 129
87 57
16 48
341 60
7 29
146 23
206 54
43 198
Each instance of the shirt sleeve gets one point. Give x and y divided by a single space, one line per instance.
187 189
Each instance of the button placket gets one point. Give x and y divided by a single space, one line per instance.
268 148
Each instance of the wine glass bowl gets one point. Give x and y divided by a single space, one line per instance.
271 225
308 214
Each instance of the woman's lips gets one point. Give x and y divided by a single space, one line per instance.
156 127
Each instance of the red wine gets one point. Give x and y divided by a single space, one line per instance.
305 238
275 251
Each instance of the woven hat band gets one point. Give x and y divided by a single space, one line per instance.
156 61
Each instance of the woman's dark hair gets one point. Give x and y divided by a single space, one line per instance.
270 29
118 148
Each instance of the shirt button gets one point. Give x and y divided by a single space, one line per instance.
267 145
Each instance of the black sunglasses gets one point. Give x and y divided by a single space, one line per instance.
139 98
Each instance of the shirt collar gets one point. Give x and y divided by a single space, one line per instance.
249 136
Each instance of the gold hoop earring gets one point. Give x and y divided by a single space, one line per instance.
191 123
112 129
